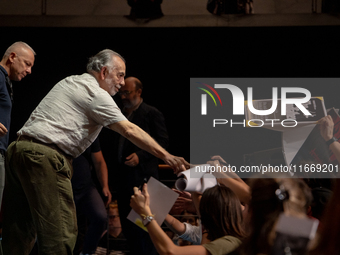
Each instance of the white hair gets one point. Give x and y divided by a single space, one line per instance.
101 59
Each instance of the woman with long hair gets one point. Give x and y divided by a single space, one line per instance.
270 198
327 240
221 218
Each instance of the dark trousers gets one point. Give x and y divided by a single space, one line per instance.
139 241
92 219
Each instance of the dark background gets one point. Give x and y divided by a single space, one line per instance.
164 59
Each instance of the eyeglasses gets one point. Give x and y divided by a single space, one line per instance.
112 217
124 93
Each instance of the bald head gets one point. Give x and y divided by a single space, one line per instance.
18 60
135 82
131 92
18 47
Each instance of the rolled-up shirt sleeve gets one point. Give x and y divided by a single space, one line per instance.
192 234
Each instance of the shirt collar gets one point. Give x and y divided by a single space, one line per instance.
3 70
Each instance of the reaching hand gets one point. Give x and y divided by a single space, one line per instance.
214 163
326 127
183 202
140 201
220 159
178 164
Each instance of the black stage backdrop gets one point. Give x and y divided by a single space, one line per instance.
165 58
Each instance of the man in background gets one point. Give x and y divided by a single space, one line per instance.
91 212
16 63
38 198
134 164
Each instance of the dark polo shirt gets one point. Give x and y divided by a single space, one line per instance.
5 108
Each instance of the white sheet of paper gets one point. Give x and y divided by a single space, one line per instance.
161 200
292 140
296 226
208 181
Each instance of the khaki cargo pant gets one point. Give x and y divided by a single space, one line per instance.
38 201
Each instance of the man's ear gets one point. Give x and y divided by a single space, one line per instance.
139 91
103 72
11 57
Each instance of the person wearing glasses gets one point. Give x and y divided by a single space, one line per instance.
113 241
38 194
133 164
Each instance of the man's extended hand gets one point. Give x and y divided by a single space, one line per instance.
178 164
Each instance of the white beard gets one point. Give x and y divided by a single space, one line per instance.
112 91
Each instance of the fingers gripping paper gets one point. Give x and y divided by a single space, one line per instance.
161 200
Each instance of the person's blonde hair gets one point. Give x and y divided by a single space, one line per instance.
299 196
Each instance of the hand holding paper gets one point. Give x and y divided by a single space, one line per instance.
159 202
326 127
140 201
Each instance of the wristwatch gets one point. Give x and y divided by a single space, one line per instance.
332 140
147 219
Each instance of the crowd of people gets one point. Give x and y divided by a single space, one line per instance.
38 203
268 215
53 203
